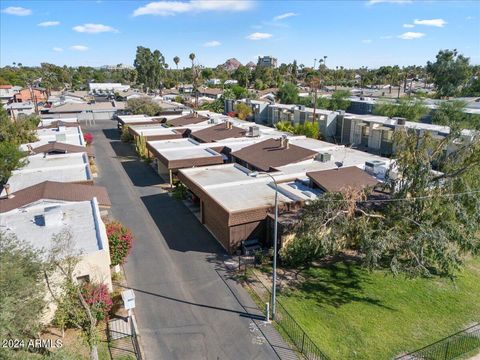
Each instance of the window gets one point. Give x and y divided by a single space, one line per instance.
85 279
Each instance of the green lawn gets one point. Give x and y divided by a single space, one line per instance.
351 313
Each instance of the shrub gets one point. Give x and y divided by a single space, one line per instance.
120 241
126 136
180 191
98 298
88 137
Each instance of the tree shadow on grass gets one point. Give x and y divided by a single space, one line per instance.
337 283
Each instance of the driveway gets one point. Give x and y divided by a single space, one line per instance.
186 305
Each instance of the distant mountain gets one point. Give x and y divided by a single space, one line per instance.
231 64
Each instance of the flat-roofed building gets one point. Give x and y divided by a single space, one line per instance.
71 167
54 190
271 153
234 205
39 222
218 132
68 135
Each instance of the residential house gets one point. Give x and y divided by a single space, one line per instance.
41 220
68 167
7 92
38 96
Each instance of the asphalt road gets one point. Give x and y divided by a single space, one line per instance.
186 306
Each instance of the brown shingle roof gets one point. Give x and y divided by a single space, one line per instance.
59 147
269 154
53 190
218 132
337 180
187 120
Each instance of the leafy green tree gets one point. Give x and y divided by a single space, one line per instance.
235 92
22 287
449 72
143 105
242 75
150 67
207 73
243 110
215 106
288 93
11 158
20 131
412 110
339 101
453 111
429 224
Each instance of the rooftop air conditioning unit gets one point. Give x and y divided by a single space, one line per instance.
323 157
253 131
373 167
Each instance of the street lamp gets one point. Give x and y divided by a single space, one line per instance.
275 231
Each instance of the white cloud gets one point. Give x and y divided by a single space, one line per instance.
168 8
284 16
57 49
259 36
79 47
386 37
408 25
470 18
17 10
366 41
374 2
430 22
49 23
94 28
213 43
409 35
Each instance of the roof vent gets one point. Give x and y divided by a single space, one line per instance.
323 157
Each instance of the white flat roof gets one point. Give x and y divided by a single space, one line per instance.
158 129
71 167
189 153
312 144
69 135
389 121
47 122
80 219
340 154
231 187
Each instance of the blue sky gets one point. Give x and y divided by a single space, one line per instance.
351 33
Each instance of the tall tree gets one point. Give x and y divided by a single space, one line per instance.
450 72
22 288
150 67
176 60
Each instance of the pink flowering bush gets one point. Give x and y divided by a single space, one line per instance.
99 300
88 137
120 241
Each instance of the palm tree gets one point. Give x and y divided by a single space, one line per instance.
194 77
325 60
176 60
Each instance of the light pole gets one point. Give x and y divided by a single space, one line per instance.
275 232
